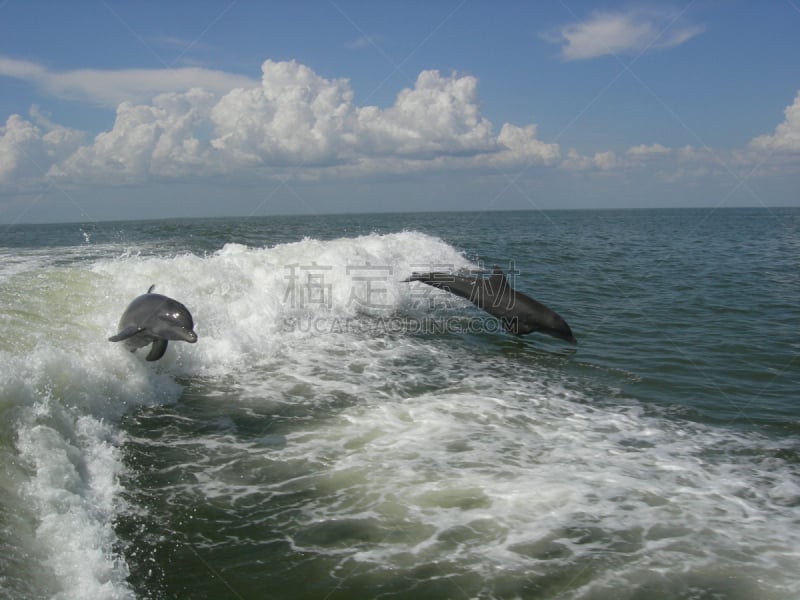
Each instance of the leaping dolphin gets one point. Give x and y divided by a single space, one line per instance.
153 318
518 313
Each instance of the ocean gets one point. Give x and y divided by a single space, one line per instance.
337 433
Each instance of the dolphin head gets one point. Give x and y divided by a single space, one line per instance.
174 322
520 326
552 324
562 333
535 317
186 336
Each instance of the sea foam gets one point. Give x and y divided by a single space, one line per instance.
63 387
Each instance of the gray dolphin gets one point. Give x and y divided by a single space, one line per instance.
153 318
518 313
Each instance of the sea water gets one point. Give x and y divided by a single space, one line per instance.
339 433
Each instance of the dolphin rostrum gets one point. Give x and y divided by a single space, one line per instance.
157 319
518 313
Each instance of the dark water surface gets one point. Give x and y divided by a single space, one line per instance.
337 433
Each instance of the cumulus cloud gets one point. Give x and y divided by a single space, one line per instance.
294 117
607 160
786 137
297 118
439 115
605 33
109 88
520 146
155 140
576 161
28 149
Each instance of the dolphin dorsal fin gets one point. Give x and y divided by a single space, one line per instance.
498 279
151 288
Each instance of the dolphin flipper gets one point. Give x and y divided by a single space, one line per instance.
157 350
129 331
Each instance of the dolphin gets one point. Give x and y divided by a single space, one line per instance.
157 319
518 313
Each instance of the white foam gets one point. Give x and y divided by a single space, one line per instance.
64 403
507 469
496 464
64 386
74 493
243 299
499 476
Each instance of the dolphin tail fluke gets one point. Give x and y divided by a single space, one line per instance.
125 333
460 286
157 350
433 278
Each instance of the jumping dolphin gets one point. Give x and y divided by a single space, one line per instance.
157 319
518 313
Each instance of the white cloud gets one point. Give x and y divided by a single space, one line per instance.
294 117
111 87
298 119
786 137
607 33
635 156
602 161
765 155
520 146
28 150
439 115
643 151
576 161
607 160
694 154
21 69
155 140
365 41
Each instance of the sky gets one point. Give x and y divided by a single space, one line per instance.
114 109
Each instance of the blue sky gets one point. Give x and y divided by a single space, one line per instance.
120 110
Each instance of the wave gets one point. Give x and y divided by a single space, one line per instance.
417 448
63 387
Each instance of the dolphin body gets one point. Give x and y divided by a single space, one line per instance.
153 318
518 313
